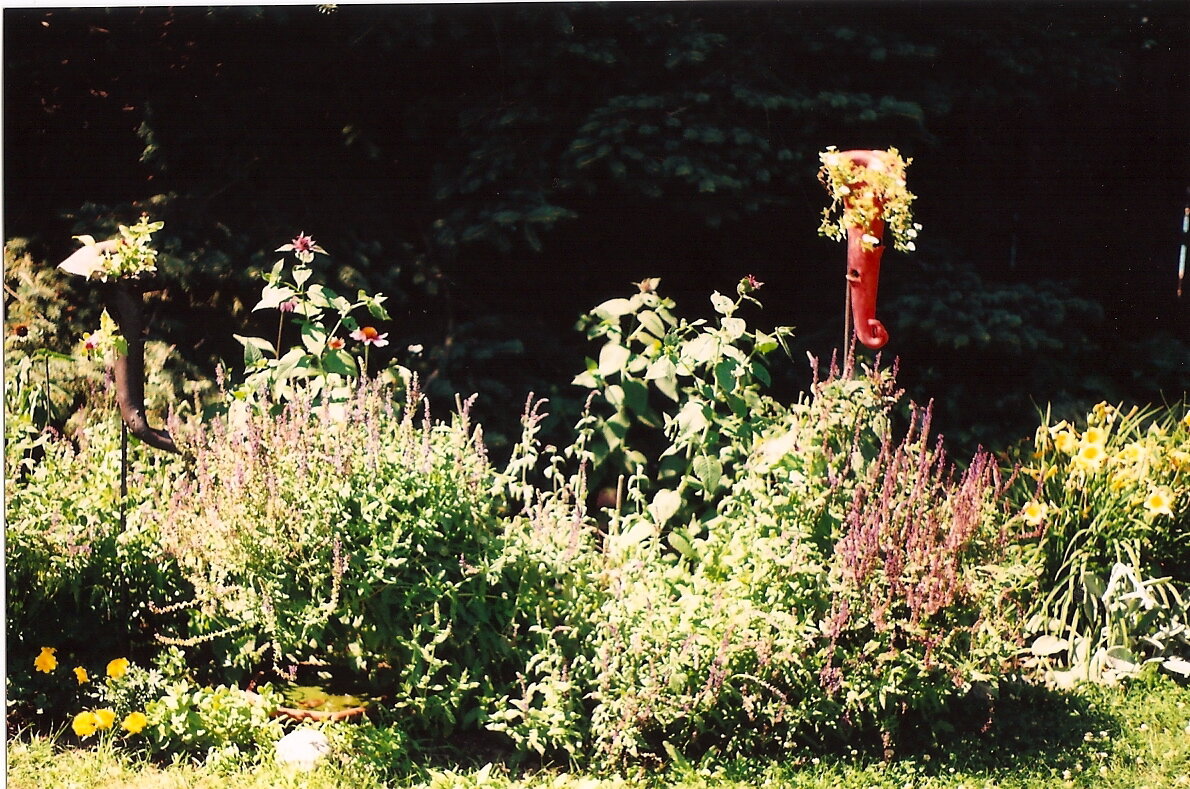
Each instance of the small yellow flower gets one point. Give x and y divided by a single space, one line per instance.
1133 453
1159 501
1104 412
1090 457
80 674
85 724
46 662
1186 419
1066 442
1034 512
1095 435
117 668
1180 459
135 722
105 718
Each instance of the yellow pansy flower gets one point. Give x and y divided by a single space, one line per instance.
46 662
80 674
117 668
135 722
105 718
1159 502
85 724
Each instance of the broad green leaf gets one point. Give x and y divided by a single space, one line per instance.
733 328
701 349
666 504
761 373
271 297
636 396
1047 645
640 531
314 338
662 368
668 386
682 543
612 358
322 296
709 471
764 343
340 362
725 375
612 309
652 322
722 304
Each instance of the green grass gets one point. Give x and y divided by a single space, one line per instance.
1094 737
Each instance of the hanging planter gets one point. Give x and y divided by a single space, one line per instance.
126 269
868 196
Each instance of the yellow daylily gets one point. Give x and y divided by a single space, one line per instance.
1095 435
1090 457
1159 502
1066 442
1034 513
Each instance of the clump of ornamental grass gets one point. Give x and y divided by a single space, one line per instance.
359 534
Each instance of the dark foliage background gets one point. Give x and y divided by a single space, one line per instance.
498 169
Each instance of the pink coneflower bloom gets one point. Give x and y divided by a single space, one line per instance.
369 336
335 343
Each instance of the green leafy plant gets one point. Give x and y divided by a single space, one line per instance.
323 360
687 395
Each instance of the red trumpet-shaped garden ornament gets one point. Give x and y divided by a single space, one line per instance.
869 195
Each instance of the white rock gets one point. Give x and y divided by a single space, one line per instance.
302 748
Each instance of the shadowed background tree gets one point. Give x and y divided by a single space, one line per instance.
498 169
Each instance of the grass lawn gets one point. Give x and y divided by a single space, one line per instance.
1095 737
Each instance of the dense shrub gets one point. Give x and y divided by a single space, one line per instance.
360 534
78 579
845 586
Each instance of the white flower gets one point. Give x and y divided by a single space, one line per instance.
870 239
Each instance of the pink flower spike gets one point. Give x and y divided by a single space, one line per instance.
369 336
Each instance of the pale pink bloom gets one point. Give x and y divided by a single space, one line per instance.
369 336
